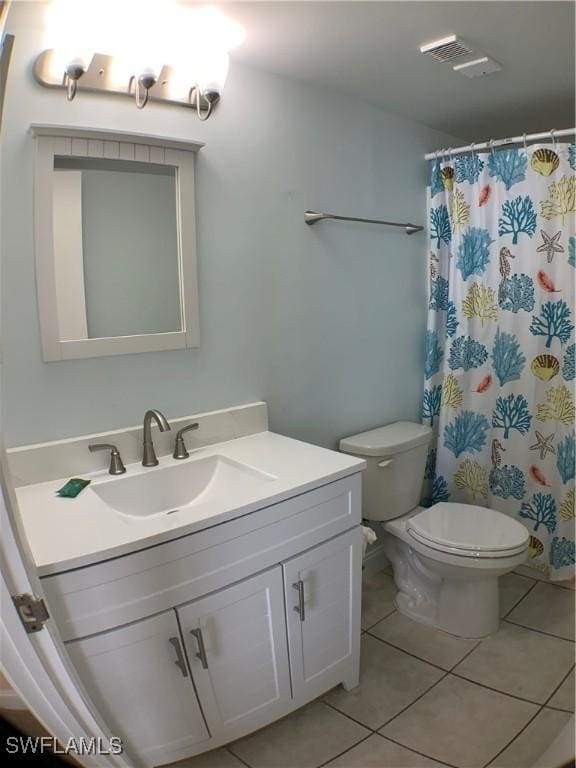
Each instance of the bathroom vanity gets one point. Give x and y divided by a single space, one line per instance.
192 627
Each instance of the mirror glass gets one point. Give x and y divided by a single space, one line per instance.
116 248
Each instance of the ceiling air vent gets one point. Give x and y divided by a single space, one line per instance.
446 49
478 68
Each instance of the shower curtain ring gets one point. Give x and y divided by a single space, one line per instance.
472 145
524 141
553 137
491 145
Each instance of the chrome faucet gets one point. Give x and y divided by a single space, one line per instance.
116 465
149 454
180 451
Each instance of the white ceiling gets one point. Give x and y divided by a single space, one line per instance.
371 50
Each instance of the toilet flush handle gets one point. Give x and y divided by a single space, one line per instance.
385 463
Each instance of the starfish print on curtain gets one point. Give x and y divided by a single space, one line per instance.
550 245
543 444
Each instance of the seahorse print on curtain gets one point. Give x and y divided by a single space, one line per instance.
499 365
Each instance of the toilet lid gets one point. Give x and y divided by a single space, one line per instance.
467 527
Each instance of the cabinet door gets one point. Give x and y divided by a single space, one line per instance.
138 678
323 594
236 645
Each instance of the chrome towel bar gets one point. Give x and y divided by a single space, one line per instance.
312 217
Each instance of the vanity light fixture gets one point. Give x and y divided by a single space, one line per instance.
142 84
196 97
139 54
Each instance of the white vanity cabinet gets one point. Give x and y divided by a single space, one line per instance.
323 594
236 644
192 643
143 663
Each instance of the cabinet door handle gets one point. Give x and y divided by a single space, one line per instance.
197 634
180 662
300 607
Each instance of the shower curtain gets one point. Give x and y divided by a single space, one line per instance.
499 366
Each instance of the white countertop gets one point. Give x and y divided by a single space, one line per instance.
66 533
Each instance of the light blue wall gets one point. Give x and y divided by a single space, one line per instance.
325 323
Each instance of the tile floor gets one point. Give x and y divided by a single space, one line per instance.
429 700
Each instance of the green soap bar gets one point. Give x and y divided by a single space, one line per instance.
73 487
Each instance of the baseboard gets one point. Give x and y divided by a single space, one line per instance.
375 560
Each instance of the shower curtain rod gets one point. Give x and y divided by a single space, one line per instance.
493 143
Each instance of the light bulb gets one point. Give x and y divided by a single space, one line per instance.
211 70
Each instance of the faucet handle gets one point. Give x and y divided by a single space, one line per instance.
180 451
116 464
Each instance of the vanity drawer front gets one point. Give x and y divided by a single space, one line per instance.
126 589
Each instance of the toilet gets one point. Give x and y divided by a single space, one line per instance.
446 558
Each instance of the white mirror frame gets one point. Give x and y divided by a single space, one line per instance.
84 142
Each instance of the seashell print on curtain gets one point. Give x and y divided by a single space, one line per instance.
499 365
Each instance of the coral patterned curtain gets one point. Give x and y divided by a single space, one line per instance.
499 369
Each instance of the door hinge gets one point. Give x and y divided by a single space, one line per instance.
32 611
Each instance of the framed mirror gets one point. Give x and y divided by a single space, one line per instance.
115 238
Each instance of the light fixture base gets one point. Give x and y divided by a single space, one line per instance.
97 79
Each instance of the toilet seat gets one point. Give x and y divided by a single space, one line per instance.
468 531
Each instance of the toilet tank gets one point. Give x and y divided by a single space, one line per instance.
396 458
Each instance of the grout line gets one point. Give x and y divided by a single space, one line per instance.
513 739
358 722
558 709
415 751
444 676
425 661
566 676
548 583
227 748
335 757
559 586
540 631
387 722
371 626
396 648
478 644
377 731
468 653
496 690
517 603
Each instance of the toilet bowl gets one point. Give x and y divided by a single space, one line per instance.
446 558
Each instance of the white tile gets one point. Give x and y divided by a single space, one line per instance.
389 681
425 642
548 609
519 661
217 758
512 589
563 698
460 723
533 741
378 593
377 752
305 739
534 573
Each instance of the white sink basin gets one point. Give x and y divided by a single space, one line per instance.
168 489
